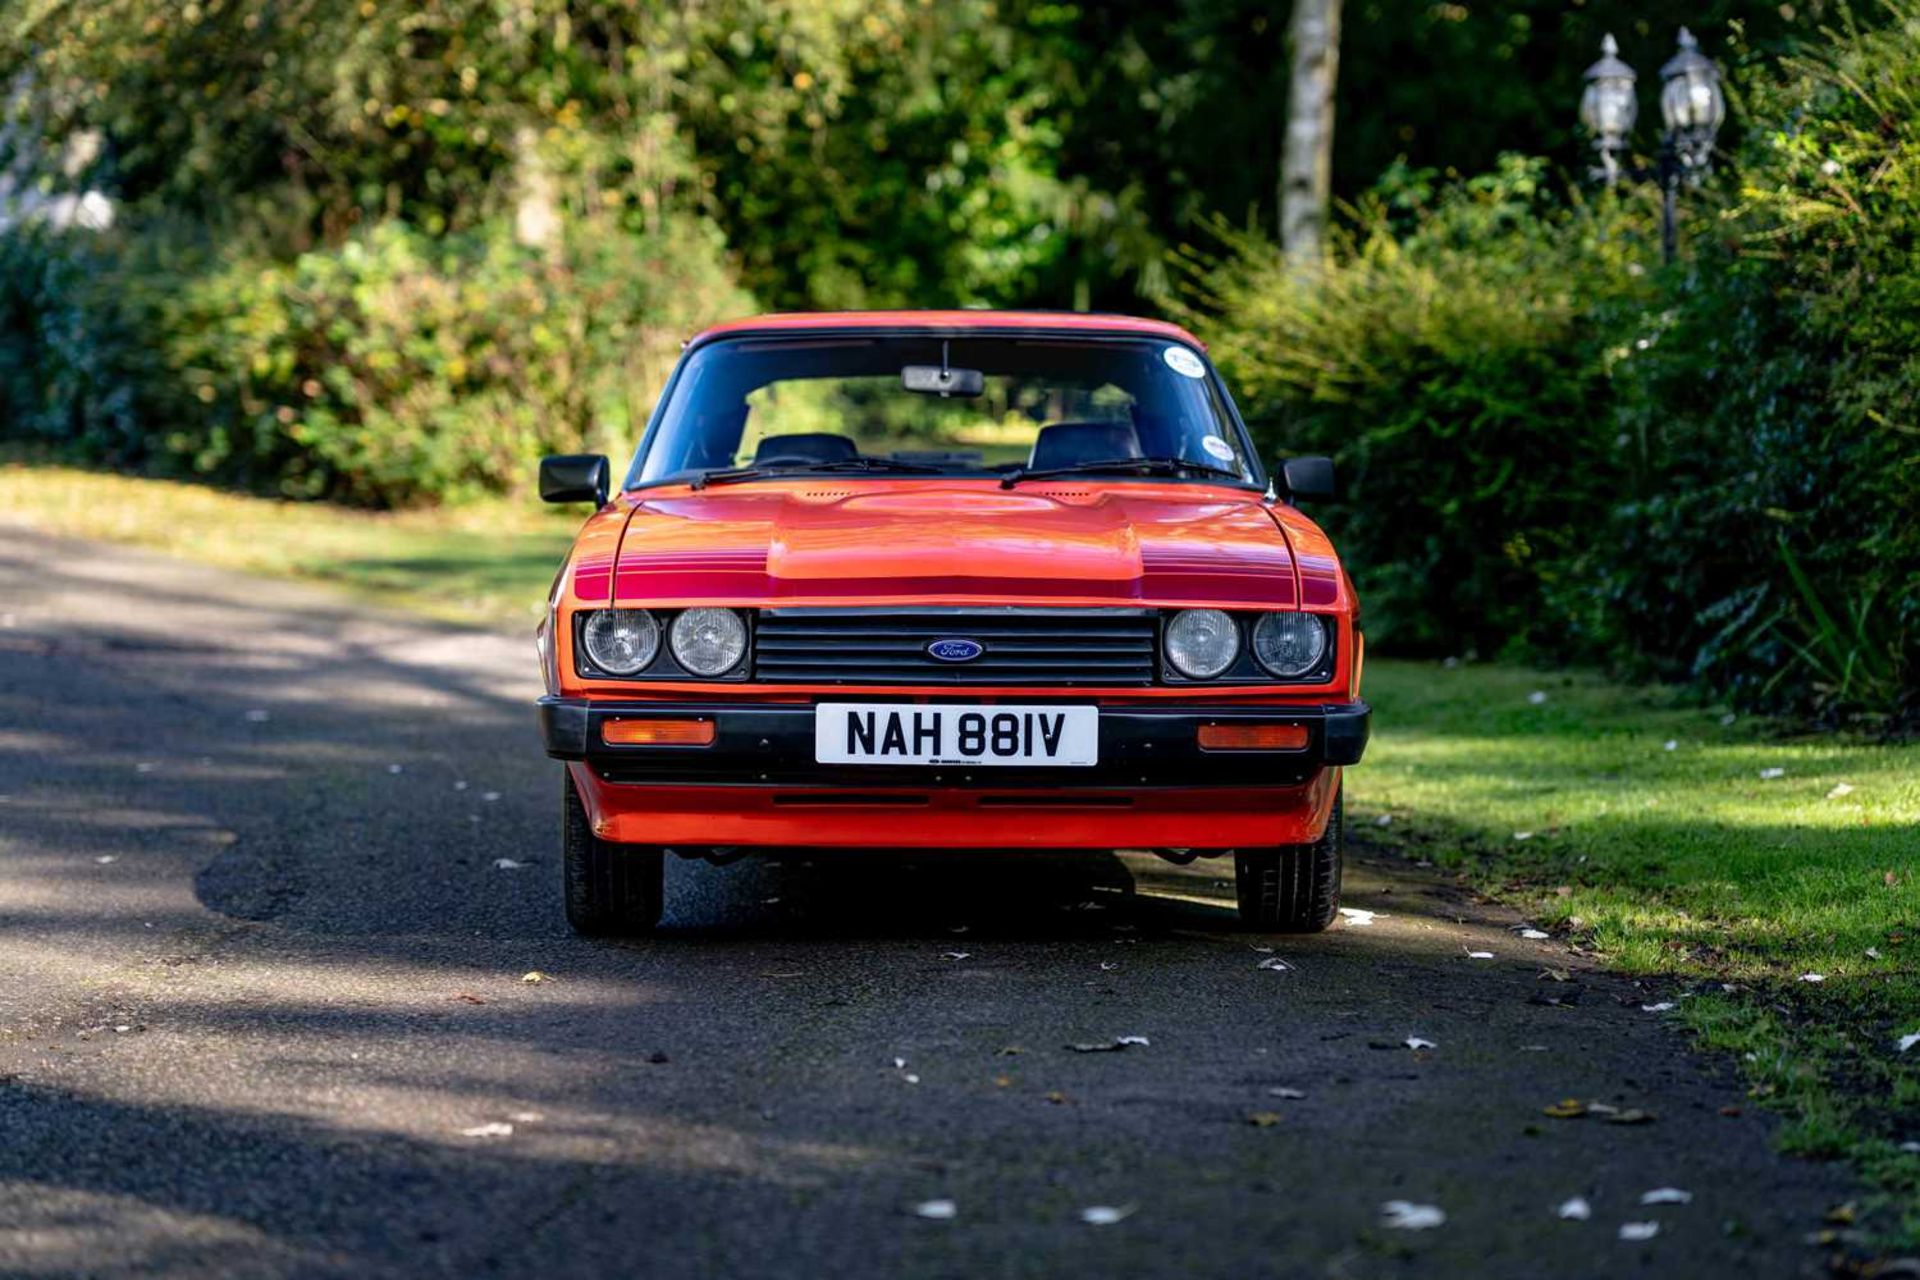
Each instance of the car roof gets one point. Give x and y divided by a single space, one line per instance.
954 321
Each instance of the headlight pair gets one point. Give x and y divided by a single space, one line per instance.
624 642
1203 643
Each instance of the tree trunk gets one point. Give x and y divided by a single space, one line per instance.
1306 160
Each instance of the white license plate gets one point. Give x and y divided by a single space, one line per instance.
914 733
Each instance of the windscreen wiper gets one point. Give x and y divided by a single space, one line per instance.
1146 466
730 475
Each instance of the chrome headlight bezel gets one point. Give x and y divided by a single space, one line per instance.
1220 631
686 632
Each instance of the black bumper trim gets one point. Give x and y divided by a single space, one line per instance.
759 744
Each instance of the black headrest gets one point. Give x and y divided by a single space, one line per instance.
1065 444
809 446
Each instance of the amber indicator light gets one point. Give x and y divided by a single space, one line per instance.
1253 737
657 733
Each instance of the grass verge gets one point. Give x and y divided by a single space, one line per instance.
487 564
1775 880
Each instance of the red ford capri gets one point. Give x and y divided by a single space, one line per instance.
995 581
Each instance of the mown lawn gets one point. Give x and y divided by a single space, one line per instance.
487 564
1773 878
1657 833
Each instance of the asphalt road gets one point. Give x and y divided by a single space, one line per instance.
263 988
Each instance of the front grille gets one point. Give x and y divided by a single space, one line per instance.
1018 646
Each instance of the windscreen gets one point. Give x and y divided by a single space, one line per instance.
785 403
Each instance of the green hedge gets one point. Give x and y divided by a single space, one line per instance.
397 369
1708 472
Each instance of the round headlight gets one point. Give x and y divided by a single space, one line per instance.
1201 643
621 641
1289 644
708 642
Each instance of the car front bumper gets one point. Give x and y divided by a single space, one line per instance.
758 784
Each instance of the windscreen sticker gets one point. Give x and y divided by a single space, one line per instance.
1183 361
1218 448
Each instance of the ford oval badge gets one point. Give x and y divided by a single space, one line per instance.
955 650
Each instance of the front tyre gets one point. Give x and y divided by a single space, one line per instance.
611 889
1293 888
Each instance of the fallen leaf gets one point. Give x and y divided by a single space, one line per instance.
1565 1109
1666 1195
495 1129
535 977
1356 917
1632 1115
1405 1215
1730 1111
1112 1046
1639 1230
1002 1082
466 998
1842 1215
1011 1050
1059 1098
1416 1044
1275 963
1263 1119
1534 935
1105 1215
938 1210
526 1117
1575 1210
1550 974
1479 955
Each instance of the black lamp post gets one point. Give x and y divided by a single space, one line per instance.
1692 108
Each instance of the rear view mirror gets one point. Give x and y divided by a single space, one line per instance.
1309 477
932 380
575 477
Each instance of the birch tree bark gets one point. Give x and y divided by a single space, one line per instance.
1306 160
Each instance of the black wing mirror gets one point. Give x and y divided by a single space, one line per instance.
575 477
1309 477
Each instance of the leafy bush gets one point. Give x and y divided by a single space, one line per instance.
1452 362
397 369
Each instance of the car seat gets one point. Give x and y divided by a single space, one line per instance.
805 446
1066 444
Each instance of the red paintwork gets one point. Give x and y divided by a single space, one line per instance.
912 541
957 321
1213 818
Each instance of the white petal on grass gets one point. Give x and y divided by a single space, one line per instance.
938 1210
899 1064
489 796
1728 718
1405 1215
1535 935
1911 1148
1416 1044
1639 1230
1660 1007
1671 744
1479 955
1575 1210
1357 917
1666 1195
1523 835
911 1078
1105 1215
1538 697
1909 1040
507 864
1384 820
1768 775
1813 977
396 768
494 1129
1840 789
1275 963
